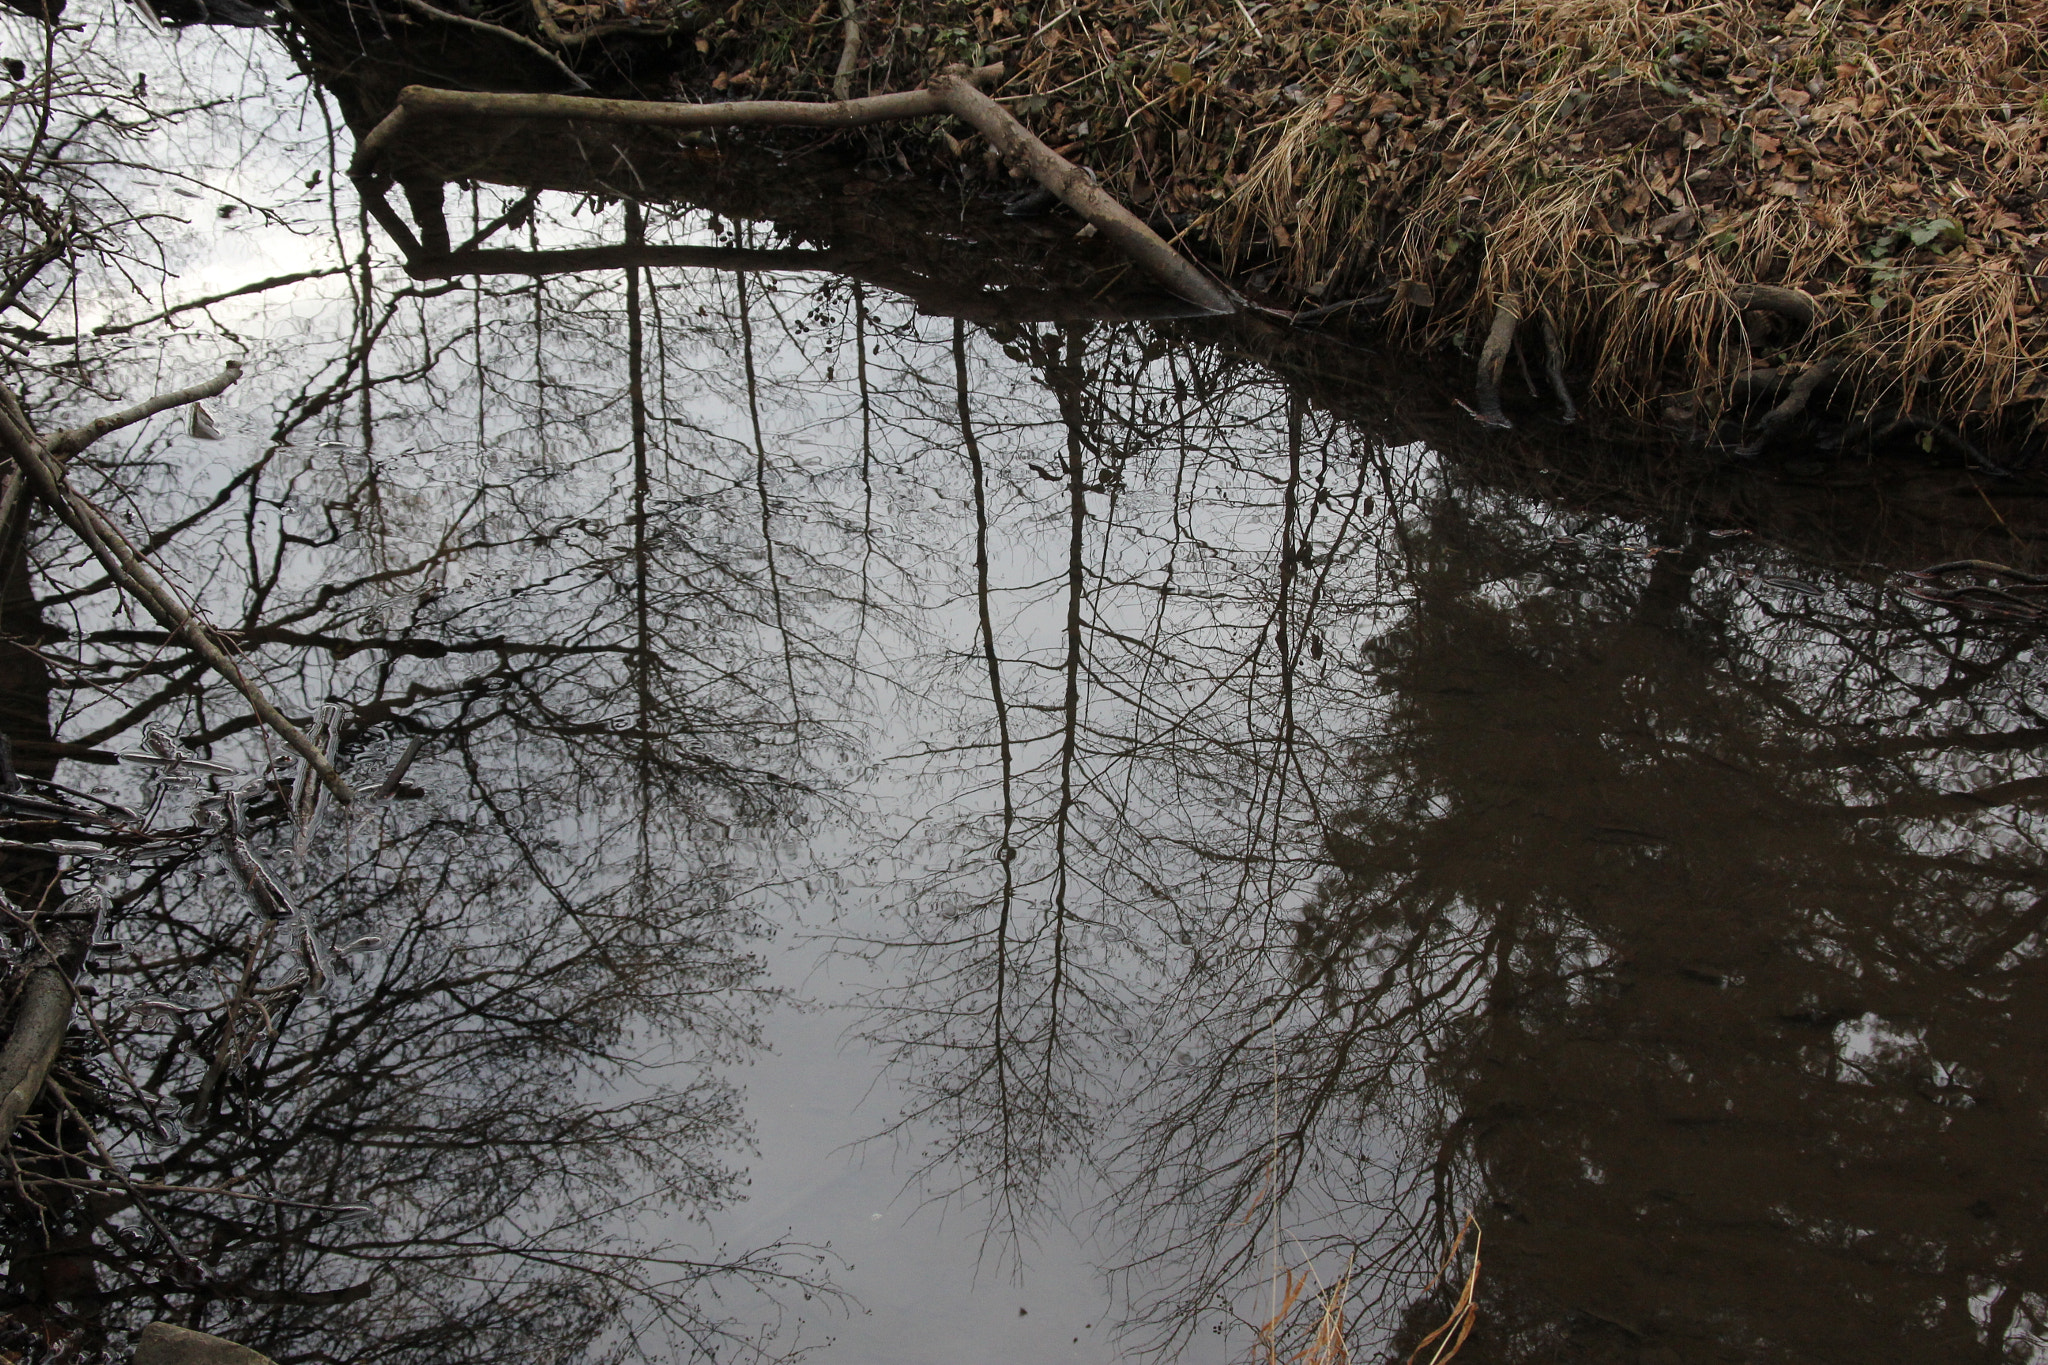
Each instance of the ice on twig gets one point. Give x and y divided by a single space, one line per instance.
265 893
162 751
309 793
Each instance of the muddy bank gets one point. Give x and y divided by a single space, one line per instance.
1826 500
1623 172
1696 214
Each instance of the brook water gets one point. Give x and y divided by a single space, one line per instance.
1016 836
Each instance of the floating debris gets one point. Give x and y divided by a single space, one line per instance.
1982 587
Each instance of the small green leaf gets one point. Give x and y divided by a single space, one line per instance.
1928 231
1180 73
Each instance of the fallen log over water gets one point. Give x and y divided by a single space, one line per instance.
951 92
1022 149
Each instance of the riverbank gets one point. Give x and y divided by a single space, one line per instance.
1627 174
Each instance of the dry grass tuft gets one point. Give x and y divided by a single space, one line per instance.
1446 1341
1324 1340
1626 169
1326 1343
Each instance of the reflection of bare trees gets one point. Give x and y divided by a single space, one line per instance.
1338 848
483 1131
1648 941
1300 840
1119 656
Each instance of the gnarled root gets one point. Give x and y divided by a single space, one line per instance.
1553 367
1791 406
1500 339
1796 309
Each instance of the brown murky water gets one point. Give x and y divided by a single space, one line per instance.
1203 810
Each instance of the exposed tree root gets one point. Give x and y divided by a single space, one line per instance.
1794 307
1500 339
1553 366
1791 406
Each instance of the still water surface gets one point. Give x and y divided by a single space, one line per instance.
941 841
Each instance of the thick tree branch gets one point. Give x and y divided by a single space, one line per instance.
1077 188
417 101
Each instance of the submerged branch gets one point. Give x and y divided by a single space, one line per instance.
40 463
932 297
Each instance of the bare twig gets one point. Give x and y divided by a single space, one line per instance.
65 444
118 328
